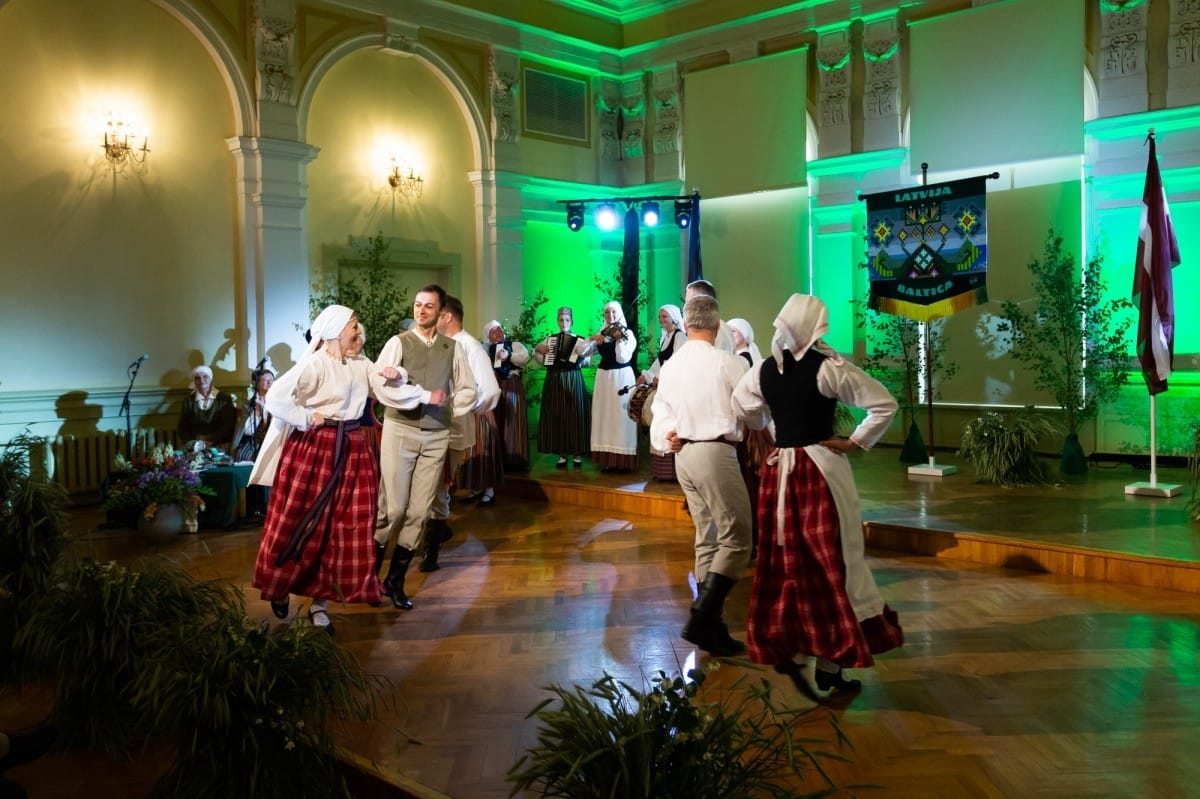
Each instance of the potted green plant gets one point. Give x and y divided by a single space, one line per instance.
163 486
256 708
611 739
1073 339
369 285
33 533
1003 447
97 627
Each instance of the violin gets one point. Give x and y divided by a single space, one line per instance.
614 331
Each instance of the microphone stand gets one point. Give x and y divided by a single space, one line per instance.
133 373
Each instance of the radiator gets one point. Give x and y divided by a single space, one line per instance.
82 462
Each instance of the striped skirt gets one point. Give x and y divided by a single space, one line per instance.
483 467
337 561
512 417
798 604
565 425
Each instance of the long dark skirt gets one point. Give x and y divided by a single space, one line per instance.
483 467
565 426
512 417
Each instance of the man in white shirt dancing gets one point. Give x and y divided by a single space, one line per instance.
694 418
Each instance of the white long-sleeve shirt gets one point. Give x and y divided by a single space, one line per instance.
411 396
694 397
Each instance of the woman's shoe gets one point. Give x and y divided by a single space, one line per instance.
829 681
320 618
562 463
281 607
487 500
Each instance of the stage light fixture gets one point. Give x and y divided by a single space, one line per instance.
683 213
606 217
650 214
575 216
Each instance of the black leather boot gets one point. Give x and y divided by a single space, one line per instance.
705 628
429 558
393 584
380 551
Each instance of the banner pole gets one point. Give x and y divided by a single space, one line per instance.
1153 442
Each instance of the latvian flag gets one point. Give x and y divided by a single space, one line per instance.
1157 254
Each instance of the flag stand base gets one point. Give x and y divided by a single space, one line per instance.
932 469
1154 489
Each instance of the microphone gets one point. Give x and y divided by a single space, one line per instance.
263 362
144 356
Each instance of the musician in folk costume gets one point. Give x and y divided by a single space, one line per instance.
670 319
614 434
317 536
565 424
512 412
813 593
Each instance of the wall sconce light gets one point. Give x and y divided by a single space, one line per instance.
121 146
404 180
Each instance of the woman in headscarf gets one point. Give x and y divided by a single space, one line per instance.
757 444
813 593
565 421
614 434
670 319
252 431
317 539
208 414
512 412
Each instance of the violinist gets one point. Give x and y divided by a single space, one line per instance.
614 434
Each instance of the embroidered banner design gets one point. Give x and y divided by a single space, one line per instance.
927 249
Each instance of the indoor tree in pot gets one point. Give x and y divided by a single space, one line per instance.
1073 339
1003 447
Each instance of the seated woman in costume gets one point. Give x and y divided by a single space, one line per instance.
208 414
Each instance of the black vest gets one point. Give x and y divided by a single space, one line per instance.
802 414
608 355
505 370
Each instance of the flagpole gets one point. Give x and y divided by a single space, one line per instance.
1157 255
933 468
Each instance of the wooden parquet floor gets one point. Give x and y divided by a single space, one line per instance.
1012 683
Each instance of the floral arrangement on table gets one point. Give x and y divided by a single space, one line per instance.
163 476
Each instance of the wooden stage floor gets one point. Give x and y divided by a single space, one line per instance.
1012 682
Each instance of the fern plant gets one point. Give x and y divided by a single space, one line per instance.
1002 447
611 739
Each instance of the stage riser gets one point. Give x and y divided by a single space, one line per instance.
1012 554
1088 564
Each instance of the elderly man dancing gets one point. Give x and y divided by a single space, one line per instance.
694 418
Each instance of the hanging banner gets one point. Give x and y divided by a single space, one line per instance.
927 249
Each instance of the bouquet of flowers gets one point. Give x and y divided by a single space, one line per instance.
163 476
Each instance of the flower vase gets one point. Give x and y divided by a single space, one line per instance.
191 518
165 526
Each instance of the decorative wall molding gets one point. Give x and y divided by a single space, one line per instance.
503 78
275 50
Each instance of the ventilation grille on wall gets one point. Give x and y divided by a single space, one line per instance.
556 105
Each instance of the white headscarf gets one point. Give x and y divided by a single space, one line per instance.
747 332
328 325
800 324
487 331
676 319
202 370
620 312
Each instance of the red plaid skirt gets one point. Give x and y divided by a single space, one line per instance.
798 604
338 560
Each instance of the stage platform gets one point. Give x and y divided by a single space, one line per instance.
1084 526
